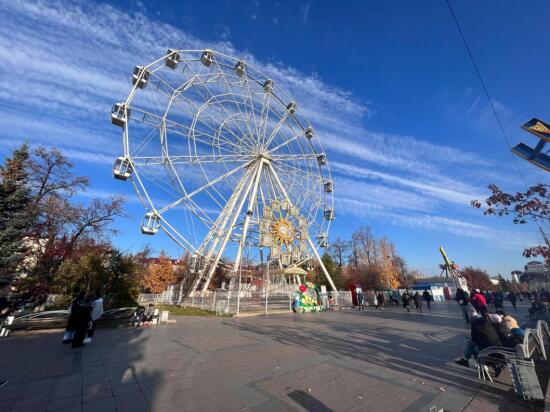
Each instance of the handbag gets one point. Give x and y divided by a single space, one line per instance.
68 336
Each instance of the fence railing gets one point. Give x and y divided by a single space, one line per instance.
231 301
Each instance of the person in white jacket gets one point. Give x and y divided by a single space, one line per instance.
97 311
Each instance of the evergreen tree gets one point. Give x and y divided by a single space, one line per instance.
15 215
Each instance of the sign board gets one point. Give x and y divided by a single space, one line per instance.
538 128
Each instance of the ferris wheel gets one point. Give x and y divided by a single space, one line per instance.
224 163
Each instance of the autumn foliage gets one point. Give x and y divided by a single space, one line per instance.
477 278
160 275
532 205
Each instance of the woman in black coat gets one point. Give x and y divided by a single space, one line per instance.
417 301
427 297
71 322
82 318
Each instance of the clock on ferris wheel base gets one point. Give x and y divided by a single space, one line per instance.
224 163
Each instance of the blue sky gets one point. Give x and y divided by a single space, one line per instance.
398 108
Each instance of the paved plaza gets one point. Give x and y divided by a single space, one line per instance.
333 361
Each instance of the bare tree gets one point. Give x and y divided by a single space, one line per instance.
60 224
339 250
51 175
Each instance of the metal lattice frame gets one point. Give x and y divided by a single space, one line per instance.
209 142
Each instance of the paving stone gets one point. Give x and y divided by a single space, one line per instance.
132 402
125 389
65 403
30 407
96 391
103 405
6 405
271 406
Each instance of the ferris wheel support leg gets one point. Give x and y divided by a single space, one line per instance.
249 213
224 217
323 268
311 244
227 236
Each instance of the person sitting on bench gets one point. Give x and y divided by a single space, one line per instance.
483 335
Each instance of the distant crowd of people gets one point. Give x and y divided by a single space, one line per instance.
379 299
416 299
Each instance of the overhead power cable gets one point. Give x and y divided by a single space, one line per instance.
485 90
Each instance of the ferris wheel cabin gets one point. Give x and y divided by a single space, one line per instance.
207 58
172 58
291 107
322 159
309 132
140 76
322 240
328 187
120 114
122 168
268 86
328 214
240 68
150 224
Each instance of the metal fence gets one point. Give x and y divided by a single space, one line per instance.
231 301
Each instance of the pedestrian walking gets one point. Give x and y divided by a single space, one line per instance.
381 300
478 300
360 300
68 336
406 297
462 298
498 300
513 299
82 319
427 297
417 301
97 311
489 299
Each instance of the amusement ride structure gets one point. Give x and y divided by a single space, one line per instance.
452 271
225 164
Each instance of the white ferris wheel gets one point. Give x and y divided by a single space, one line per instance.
224 163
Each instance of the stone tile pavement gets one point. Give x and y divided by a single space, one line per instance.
333 361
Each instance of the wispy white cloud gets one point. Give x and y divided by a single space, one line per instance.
307 6
446 193
64 64
366 209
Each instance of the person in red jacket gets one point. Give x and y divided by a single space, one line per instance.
478 300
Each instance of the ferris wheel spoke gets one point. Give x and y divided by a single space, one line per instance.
293 157
264 117
294 169
224 110
236 104
276 129
287 142
204 187
157 160
249 95
178 128
177 92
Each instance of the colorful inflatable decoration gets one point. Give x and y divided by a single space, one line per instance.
306 299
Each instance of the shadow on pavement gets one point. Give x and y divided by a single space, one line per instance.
308 402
